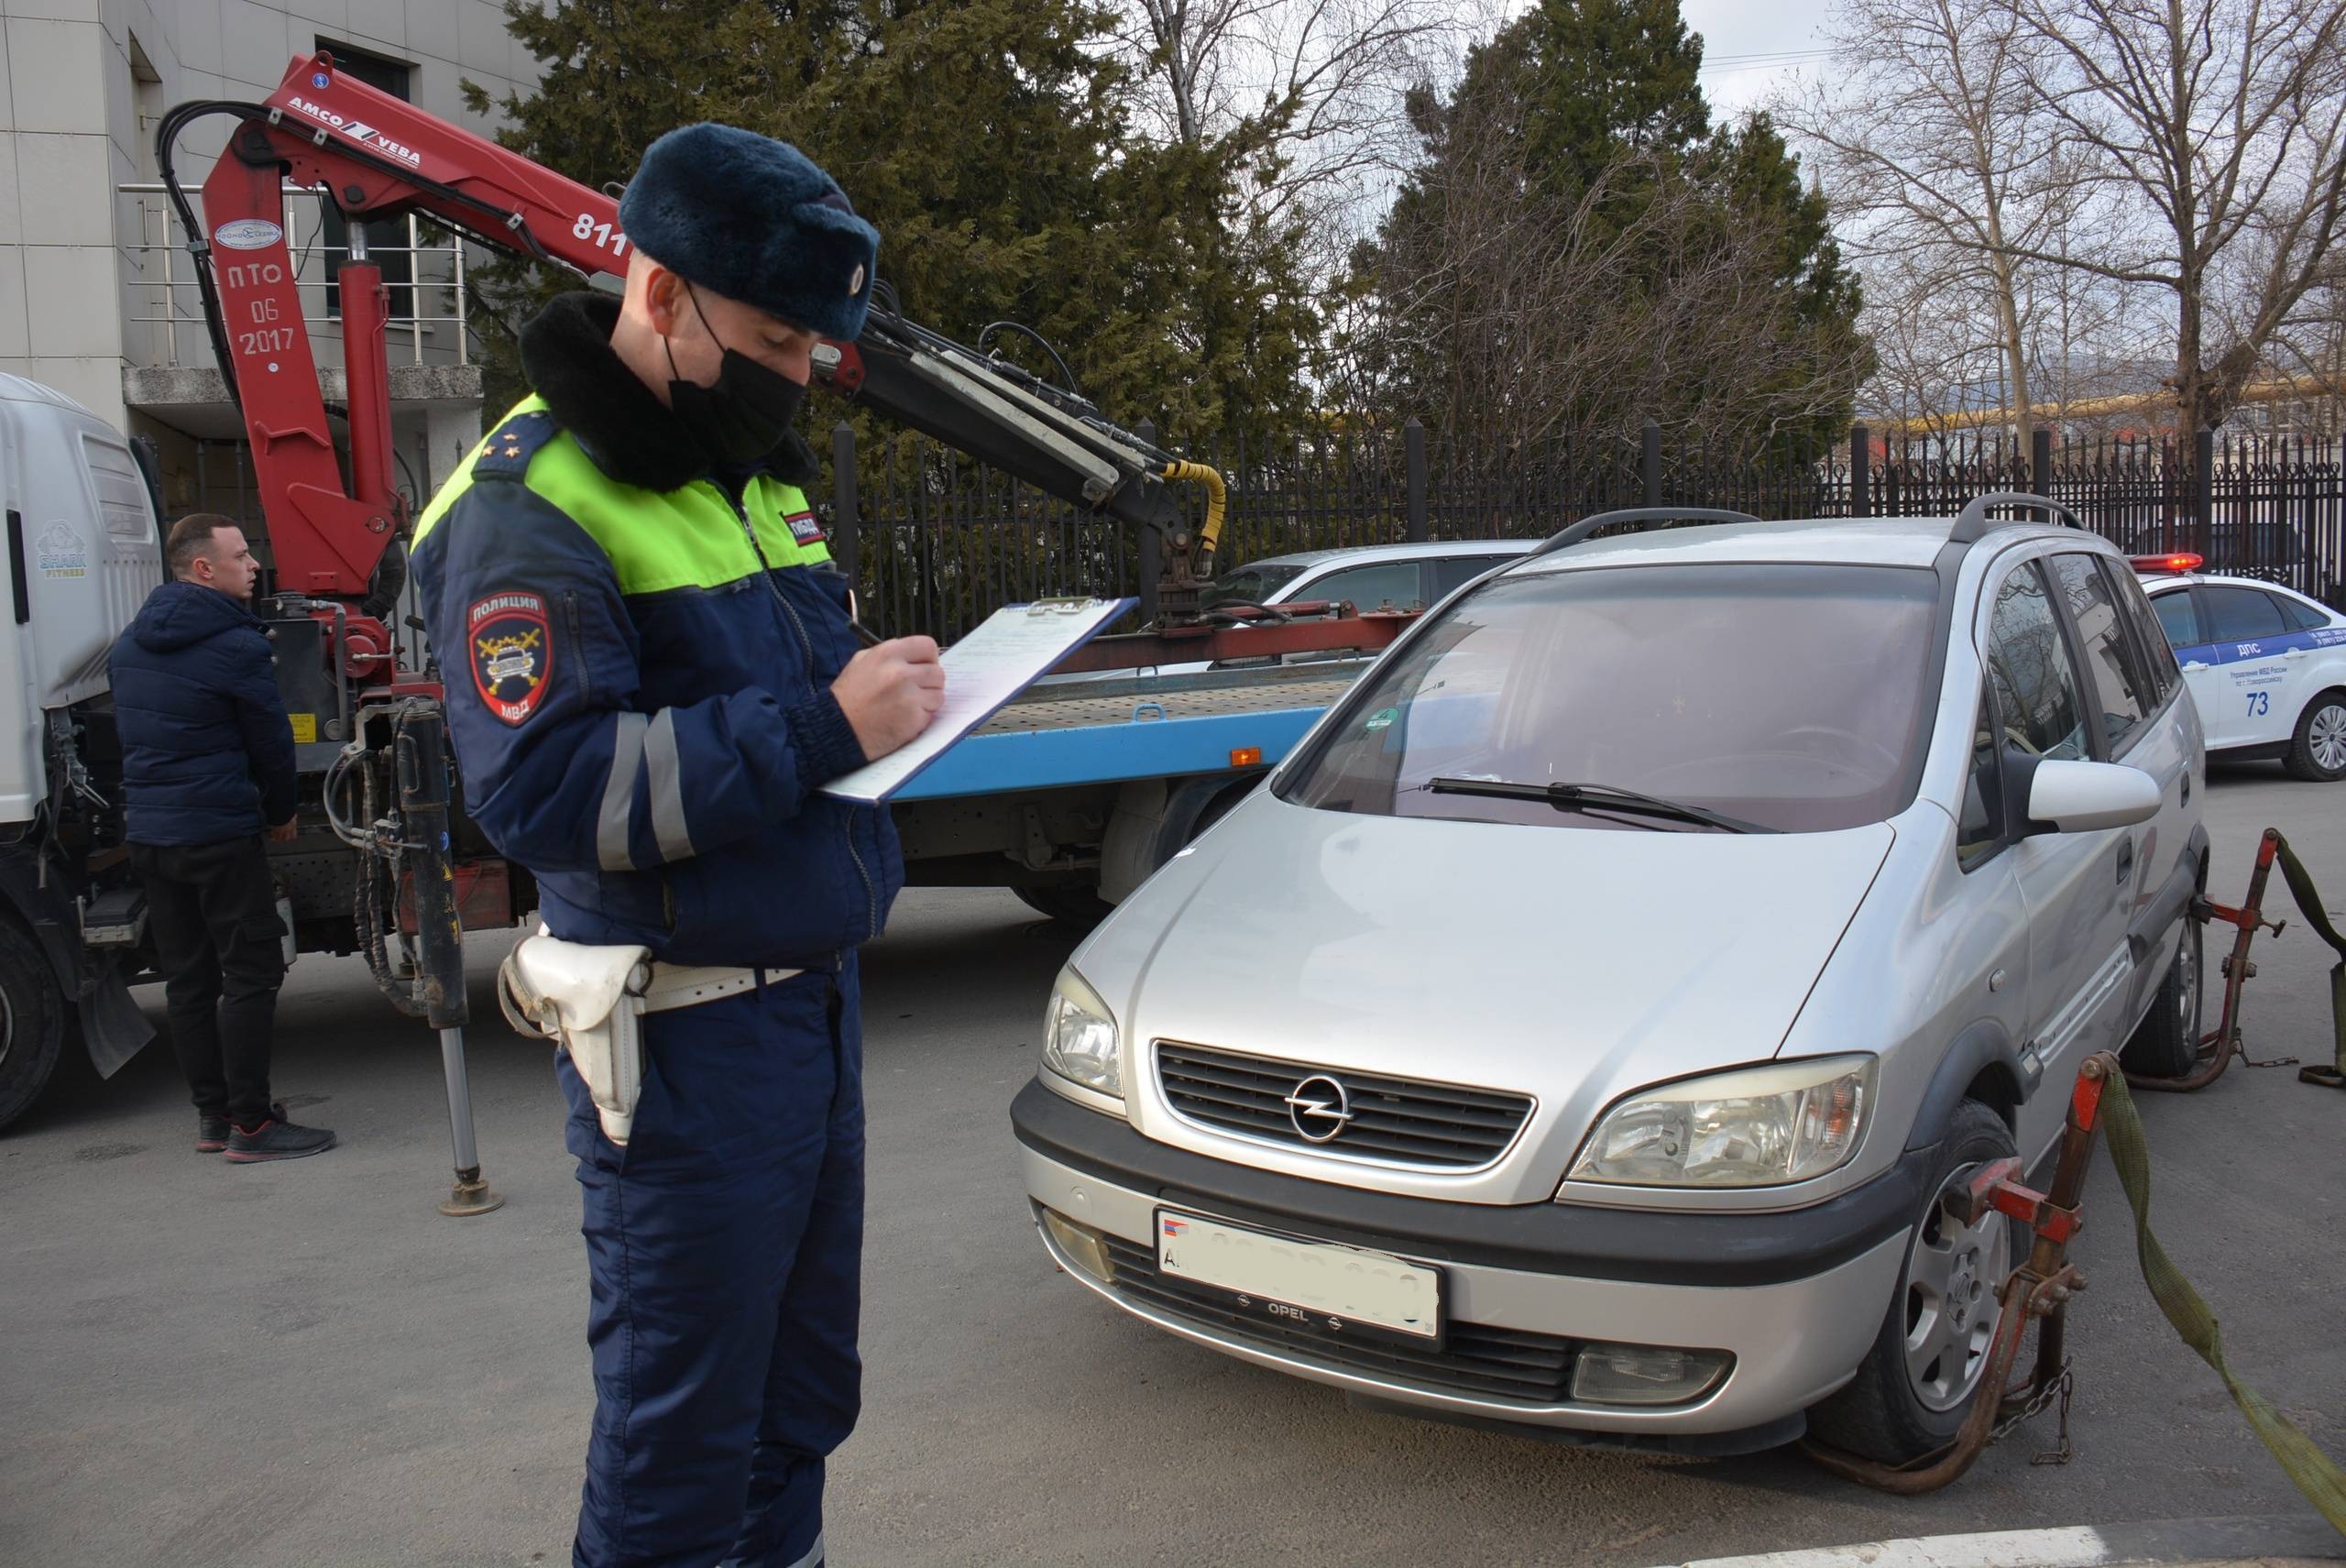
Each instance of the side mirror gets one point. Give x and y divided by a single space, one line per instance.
2078 797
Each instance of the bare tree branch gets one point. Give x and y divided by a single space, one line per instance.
2225 121
1313 87
1947 170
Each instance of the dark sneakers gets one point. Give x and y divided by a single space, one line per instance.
276 1138
212 1132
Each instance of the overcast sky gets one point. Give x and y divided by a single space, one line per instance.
1751 47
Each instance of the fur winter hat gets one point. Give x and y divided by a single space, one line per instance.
755 220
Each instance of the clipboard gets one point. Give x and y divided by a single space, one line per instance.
1007 652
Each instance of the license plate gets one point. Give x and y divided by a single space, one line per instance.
1314 1286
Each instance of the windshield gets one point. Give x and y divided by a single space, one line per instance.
1787 695
1249 585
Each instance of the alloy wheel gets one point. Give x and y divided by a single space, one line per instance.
2187 974
2326 736
1952 1279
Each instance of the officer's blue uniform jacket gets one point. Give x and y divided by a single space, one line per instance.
637 655
207 751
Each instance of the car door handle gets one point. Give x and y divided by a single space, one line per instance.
2196 664
2296 653
2125 862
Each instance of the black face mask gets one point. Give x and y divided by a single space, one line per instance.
745 415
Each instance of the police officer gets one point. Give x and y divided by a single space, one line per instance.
650 672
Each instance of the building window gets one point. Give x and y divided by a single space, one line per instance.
387 239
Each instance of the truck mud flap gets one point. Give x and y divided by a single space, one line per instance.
111 1027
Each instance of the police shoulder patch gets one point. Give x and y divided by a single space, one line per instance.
510 637
507 451
804 528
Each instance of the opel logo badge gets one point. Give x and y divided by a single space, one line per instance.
1319 1108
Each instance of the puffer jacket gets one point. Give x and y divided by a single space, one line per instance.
637 655
207 751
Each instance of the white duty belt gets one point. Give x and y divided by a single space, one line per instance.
593 1000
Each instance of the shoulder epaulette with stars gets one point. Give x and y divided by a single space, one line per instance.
510 448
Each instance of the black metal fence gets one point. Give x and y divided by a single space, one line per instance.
936 542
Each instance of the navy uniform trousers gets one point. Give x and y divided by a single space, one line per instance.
725 1247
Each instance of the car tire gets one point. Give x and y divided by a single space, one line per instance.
2165 1044
1928 1364
1077 906
2317 748
32 1021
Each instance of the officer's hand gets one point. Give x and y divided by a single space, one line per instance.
889 693
284 831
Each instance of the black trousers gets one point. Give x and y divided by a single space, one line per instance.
214 917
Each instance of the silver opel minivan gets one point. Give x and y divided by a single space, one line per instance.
1582 1026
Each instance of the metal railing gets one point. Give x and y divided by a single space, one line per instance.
936 542
436 268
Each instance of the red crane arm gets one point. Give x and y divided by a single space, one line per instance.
377 157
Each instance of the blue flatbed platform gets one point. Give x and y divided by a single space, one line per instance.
1101 731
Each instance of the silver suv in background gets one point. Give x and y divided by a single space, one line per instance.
1584 1026
1366 576
1370 576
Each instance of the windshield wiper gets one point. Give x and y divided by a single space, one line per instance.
1597 798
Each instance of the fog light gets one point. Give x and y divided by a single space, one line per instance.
1647 1374
1087 1247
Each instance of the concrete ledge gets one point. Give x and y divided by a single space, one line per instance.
196 400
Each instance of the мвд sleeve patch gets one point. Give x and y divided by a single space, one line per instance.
510 637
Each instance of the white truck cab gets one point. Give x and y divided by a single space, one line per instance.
81 550
83 555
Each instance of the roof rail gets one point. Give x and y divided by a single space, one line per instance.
1573 534
1972 524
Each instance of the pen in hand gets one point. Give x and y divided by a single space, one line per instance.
863 633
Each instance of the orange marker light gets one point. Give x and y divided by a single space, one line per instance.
1246 756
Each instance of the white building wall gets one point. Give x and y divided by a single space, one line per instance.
75 126
60 319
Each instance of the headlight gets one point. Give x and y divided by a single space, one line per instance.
1758 1126
1080 1038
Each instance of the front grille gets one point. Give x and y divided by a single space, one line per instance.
1402 1119
1473 1359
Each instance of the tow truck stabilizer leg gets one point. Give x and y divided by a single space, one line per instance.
2038 1291
421 741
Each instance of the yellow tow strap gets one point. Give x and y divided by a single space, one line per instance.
2301 888
2314 1472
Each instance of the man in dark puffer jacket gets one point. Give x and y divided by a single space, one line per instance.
207 762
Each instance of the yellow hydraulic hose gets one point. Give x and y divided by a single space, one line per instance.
1217 498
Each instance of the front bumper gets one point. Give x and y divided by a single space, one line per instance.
1796 1298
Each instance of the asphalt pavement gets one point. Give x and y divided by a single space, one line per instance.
204 1363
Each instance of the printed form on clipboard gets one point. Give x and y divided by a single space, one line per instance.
1004 656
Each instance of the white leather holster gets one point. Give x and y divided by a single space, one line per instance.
590 999
593 1000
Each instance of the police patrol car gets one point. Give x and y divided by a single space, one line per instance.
2267 667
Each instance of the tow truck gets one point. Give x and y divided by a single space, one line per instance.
1071 798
